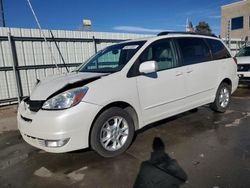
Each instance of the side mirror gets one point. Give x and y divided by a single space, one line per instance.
148 67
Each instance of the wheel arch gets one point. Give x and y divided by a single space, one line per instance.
121 104
227 80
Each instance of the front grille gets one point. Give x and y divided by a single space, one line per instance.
34 106
243 67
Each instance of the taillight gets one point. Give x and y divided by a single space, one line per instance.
235 60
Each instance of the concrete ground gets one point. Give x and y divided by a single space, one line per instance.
213 149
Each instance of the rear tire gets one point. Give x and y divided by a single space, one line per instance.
112 132
222 99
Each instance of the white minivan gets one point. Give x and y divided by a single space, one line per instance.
125 87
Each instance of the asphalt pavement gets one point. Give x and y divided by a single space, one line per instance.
199 148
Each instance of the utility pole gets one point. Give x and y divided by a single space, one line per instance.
228 36
2 14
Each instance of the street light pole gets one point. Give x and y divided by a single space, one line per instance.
2 14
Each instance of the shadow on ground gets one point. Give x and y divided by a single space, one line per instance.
160 170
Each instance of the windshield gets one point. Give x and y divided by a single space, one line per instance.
112 58
243 52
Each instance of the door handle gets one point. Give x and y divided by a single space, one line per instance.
189 71
179 74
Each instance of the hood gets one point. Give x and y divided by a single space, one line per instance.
51 85
243 60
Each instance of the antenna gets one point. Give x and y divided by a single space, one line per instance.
45 39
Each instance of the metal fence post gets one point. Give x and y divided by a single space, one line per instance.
15 64
94 42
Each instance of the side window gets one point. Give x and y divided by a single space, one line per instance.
193 50
218 49
161 52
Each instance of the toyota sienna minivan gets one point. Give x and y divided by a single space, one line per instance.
125 87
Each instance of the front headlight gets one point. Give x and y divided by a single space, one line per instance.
66 99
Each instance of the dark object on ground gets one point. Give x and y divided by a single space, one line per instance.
160 170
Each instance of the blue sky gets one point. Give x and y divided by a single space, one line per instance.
134 16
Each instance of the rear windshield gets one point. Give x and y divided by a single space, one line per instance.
244 52
218 49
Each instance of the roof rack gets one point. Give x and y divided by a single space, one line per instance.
186 33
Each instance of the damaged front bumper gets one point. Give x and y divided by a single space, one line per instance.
57 131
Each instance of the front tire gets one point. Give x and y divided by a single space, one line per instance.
222 99
112 132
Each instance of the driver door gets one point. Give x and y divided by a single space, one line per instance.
162 93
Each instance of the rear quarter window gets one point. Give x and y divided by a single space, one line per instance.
193 50
218 49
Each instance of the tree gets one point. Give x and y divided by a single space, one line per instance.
203 28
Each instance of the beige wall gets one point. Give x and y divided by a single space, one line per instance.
241 8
